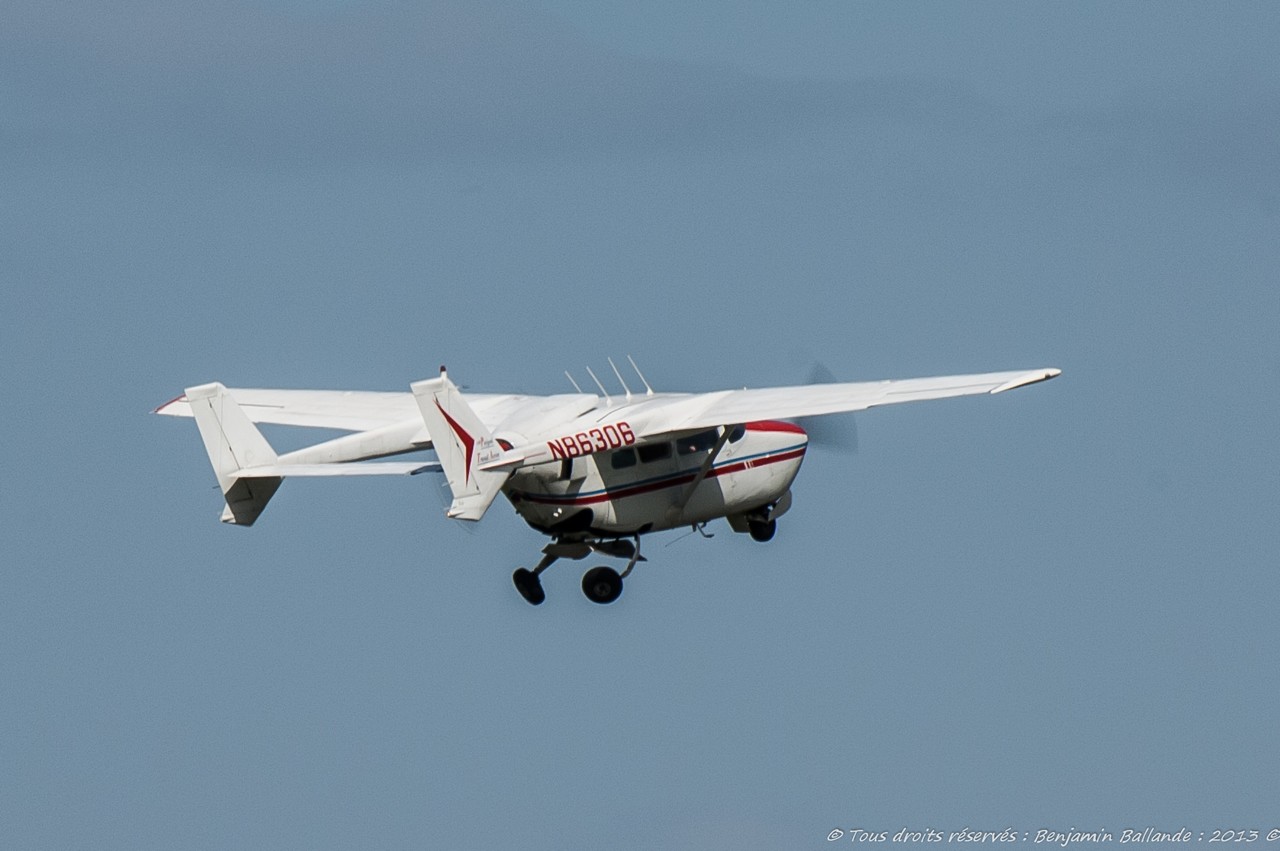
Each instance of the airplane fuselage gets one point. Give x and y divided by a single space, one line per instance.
656 485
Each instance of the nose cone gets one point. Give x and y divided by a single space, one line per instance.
801 436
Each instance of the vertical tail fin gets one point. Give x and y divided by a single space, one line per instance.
233 443
463 443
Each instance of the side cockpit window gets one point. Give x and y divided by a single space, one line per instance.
623 458
700 442
651 452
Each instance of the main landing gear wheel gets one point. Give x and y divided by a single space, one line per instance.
762 530
602 585
529 586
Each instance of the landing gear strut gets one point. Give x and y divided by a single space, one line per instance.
601 584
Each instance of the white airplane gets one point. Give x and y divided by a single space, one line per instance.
594 472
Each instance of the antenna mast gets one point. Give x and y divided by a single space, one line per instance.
625 388
648 391
603 392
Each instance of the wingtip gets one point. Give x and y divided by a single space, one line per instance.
1033 377
181 397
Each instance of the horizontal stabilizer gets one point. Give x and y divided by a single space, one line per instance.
374 468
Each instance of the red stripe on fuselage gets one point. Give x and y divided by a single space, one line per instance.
775 426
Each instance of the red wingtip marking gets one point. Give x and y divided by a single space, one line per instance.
182 397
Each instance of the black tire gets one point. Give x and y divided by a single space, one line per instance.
762 530
529 586
602 585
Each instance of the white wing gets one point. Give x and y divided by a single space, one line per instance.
655 417
739 406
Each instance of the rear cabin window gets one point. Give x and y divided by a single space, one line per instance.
624 458
651 452
700 442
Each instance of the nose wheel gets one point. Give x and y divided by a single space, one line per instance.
762 530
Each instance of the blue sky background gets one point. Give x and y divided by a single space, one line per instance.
1049 609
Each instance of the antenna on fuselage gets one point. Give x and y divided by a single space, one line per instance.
625 388
648 391
571 381
603 392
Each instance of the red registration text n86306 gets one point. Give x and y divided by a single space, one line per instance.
612 436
